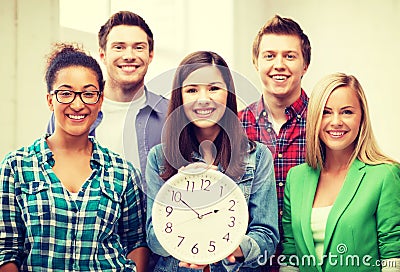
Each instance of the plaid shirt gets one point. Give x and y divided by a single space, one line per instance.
43 229
288 147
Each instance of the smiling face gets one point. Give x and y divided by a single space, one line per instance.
76 117
127 56
204 96
341 121
281 65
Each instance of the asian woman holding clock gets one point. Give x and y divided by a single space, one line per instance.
202 130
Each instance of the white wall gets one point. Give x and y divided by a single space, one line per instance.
27 28
359 37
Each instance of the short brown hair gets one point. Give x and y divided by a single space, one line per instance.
124 18
283 26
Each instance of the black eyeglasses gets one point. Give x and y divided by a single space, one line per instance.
68 96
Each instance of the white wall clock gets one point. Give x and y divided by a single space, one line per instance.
200 216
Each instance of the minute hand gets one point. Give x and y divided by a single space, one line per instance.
187 205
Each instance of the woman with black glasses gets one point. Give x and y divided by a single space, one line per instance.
66 203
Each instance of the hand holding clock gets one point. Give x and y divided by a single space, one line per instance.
231 258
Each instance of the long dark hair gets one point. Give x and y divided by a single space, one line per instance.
231 143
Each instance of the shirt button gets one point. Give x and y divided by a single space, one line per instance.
264 113
280 184
299 116
268 129
280 212
280 155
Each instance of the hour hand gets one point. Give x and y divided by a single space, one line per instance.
187 205
210 212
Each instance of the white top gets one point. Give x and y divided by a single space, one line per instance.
117 129
74 196
319 217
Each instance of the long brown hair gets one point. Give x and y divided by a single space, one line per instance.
231 143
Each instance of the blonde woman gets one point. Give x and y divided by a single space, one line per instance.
341 207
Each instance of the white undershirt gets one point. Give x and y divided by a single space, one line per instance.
74 196
319 217
112 130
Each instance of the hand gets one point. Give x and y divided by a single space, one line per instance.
236 254
193 266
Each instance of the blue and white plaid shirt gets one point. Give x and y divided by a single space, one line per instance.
43 229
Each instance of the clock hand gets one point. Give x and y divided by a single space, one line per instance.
187 205
214 211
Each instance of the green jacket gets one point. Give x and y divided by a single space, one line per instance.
363 226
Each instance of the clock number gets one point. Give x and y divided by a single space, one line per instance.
176 196
212 246
182 238
233 204
205 183
168 227
169 210
222 188
189 186
195 249
232 223
226 237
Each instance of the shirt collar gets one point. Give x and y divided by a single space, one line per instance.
99 157
294 110
42 150
153 101
44 153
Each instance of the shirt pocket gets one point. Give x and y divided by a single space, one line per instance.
109 211
246 183
36 207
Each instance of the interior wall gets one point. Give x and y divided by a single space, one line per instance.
359 37
27 29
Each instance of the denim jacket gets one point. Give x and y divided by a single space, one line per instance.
258 186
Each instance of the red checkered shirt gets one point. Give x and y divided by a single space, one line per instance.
288 147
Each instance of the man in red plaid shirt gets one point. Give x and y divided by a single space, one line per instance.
281 56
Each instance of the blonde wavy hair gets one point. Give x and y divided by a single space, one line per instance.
366 148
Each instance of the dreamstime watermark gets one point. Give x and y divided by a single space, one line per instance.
341 259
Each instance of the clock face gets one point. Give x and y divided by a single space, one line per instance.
200 217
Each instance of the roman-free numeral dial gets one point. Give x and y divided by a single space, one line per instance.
200 217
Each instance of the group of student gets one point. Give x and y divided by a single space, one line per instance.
80 197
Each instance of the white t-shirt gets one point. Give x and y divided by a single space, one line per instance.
118 126
319 217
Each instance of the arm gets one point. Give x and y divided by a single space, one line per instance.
132 230
388 213
12 228
140 256
9 267
262 232
288 243
154 183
